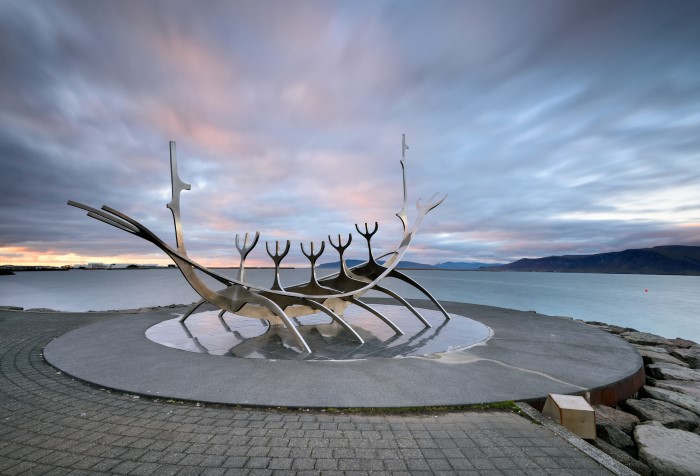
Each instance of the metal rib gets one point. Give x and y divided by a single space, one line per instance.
109 221
407 279
191 310
337 318
381 316
404 302
269 304
223 323
123 224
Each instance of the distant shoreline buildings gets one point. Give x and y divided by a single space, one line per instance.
88 266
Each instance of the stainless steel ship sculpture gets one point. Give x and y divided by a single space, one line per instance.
278 304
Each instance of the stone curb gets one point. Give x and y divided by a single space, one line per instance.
589 450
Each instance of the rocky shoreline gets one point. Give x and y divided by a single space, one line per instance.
658 431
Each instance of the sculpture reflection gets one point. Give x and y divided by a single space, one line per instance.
245 338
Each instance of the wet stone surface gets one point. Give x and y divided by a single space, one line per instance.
237 336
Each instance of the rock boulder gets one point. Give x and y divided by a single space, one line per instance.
681 386
652 348
617 329
623 457
613 329
685 343
644 338
665 371
611 416
653 357
615 436
668 452
668 414
684 401
691 356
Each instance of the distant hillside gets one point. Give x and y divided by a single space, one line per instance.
672 259
449 265
355 262
471 265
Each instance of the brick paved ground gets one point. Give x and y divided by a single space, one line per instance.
51 424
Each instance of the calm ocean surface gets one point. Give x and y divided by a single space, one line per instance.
665 305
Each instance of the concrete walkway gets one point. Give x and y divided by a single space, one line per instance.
51 424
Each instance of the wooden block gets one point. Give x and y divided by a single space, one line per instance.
573 413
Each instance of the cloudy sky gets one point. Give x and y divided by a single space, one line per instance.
555 127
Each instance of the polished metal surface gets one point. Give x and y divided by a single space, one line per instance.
277 259
245 251
330 295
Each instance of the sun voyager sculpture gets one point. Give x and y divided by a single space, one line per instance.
277 304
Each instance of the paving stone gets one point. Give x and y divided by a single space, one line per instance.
106 465
258 462
144 469
213 461
172 458
259 472
299 452
235 462
213 472
327 464
417 465
280 463
482 464
189 471
395 465
439 464
279 452
303 464
257 451
124 467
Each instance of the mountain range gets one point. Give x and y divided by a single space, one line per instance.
449 265
671 259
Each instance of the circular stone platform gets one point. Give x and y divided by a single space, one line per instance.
528 356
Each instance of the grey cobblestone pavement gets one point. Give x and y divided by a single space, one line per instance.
51 424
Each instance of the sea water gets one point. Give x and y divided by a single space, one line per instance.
664 305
